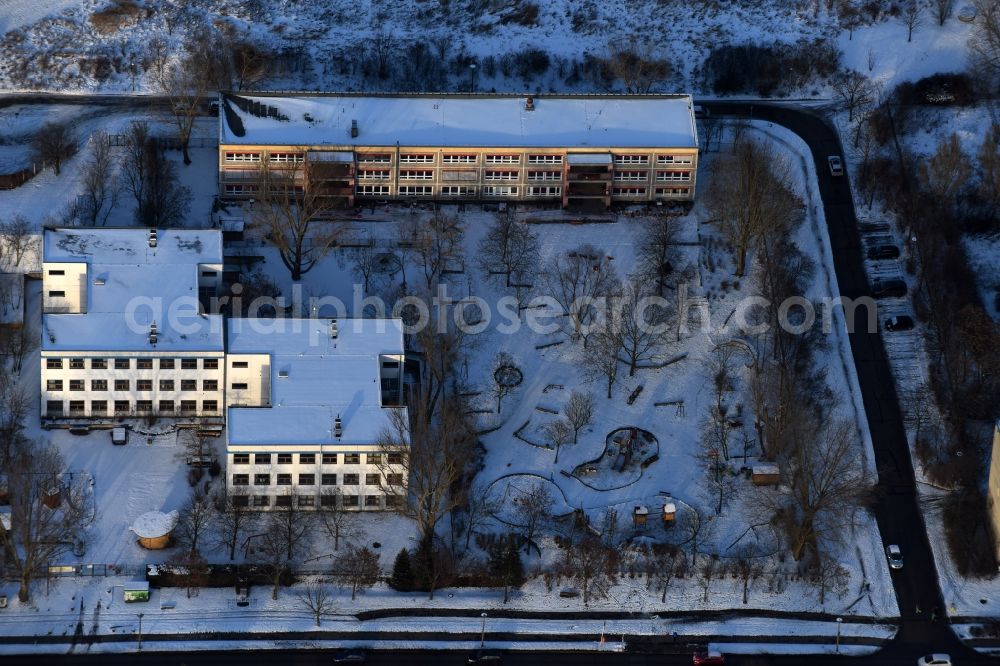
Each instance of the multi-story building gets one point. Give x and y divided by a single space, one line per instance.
308 400
124 333
580 152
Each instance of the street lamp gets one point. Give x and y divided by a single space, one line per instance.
840 621
472 77
482 635
140 632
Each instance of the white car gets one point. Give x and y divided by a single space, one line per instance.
895 556
836 165
934 660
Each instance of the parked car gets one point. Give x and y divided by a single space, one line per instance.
900 323
707 657
895 556
938 659
119 436
350 657
894 288
482 656
883 252
836 165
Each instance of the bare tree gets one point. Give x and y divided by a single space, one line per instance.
195 521
506 377
943 10
437 245
657 249
18 239
988 155
290 213
291 526
16 402
49 511
643 325
339 522
233 518
510 249
579 281
716 433
478 512
751 197
854 90
250 63
984 43
318 600
382 47
365 264
579 411
16 344
100 183
829 576
152 179
664 563
357 567
533 509
949 174
591 565
747 569
190 570
707 572
53 143
602 363
272 547
911 15
639 65
558 432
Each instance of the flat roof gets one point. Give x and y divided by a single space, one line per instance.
599 121
129 332
130 245
314 379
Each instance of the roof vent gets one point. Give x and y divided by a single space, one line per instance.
152 333
529 103
282 374
99 281
333 329
152 238
354 129
338 427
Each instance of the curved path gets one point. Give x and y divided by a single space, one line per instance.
898 516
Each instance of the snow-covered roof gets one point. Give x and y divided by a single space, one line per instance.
765 468
461 120
314 379
129 332
154 524
131 246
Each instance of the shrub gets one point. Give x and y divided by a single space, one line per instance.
119 15
525 14
769 69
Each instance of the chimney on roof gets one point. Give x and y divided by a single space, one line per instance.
152 238
152 333
333 329
354 129
338 427
529 103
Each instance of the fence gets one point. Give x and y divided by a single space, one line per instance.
90 570
168 142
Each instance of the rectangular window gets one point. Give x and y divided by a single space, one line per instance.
239 386
673 159
241 364
415 190
458 159
352 479
287 158
350 501
144 364
189 384
54 407
307 458
188 406
98 364
121 385
261 500
631 159
328 500
393 501
76 385
329 458
53 363
241 458
635 176
373 190
57 272
144 385
544 175
458 191
189 364
545 191
76 364
352 458
545 159
54 385
377 158
210 385
143 406
166 364
374 174
503 159
663 176
411 174
284 479
261 479
210 405
395 458
122 364
499 191
232 156
98 407
328 479
262 459
628 191
284 458
210 364
283 501
672 191
374 458
98 384
240 500
500 175
166 385
57 294
77 407
307 479
373 501
307 500
394 479
122 407
166 406
415 158
241 479
373 479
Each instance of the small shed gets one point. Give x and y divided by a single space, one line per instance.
136 590
119 436
669 514
639 515
765 474
52 495
154 529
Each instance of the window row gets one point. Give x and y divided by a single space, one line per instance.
673 191
310 458
126 363
324 479
127 407
126 385
305 501
544 191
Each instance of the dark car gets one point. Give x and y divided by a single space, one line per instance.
708 658
900 323
486 657
350 657
894 288
883 252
